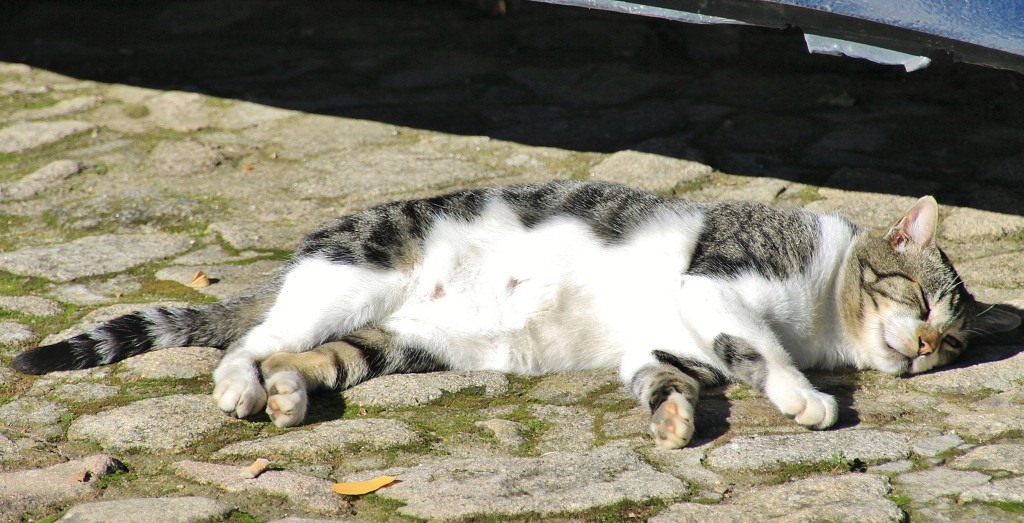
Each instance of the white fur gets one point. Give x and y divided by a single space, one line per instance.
318 300
545 299
493 294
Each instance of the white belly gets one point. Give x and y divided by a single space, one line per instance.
490 295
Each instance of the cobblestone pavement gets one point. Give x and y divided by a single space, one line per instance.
142 142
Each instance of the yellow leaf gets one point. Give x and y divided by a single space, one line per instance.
200 280
358 488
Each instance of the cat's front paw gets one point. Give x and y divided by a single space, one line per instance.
798 399
288 400
816 410
672 422
820 410
240 398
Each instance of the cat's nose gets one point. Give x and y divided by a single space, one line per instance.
923 347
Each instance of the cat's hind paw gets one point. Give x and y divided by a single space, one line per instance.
240 398
672 422
288 400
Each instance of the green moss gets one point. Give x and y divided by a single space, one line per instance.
984 392
8 224
220 103
136 111
154 387
86 217
839 463
574 166
8 159
626 511
155 290
16 284
234 432
806 194
689 186
1009 506
14 166
27 101
739 391
144 144
901 500
622 511
115 478
372 507
237 516
452 417
905 504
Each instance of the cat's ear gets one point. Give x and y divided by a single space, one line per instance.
990 319
917 228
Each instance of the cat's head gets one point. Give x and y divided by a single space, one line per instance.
906 304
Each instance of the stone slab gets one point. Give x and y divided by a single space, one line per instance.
406 390
226 280
1010 490
456 488
309 492
1008 457
994 368
31 489
650 172
187 509
326 440
178 362
161 424
759 452
929 484
41 179
31 305
23 136
92 255
854 498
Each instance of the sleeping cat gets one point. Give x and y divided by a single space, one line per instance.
573 275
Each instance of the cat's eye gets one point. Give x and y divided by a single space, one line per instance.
953 342
922 301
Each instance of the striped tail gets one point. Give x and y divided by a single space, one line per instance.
214 325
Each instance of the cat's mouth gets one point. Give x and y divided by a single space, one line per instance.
901 353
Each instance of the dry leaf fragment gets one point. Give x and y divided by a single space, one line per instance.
247 167
200 280
358 488
258 467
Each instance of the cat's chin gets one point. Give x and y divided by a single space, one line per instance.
889 360
922 364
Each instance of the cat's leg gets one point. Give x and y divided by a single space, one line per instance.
319 300
671 397
737 339
758 360
669 386
362 355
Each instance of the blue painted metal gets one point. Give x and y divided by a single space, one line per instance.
986 32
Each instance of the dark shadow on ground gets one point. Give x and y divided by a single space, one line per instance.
842 384
325 405
747 101
711 417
